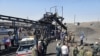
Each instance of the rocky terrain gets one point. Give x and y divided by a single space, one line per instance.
90 29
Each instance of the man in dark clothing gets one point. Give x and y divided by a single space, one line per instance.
45 46
95 49
75 51
62 36
58 49
82 38
12 40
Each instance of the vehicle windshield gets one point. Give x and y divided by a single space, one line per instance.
25 48
26 42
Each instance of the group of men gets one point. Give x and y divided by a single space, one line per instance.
8 41
64 50
41 49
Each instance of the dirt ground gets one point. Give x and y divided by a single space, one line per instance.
90 29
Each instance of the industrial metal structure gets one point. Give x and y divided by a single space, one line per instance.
44 25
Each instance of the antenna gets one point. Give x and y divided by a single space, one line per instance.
27 19
55 8
62 11
74 18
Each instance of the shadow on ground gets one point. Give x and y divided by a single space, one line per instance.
50 54
8 51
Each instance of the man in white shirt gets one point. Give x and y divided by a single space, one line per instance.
65 50
12 40
8 42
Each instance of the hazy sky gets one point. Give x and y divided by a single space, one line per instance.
85 10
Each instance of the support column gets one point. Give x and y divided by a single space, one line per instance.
15 32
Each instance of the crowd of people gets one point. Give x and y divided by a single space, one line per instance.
62 48
41 49
8 41
65 48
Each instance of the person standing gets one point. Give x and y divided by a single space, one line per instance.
88 53
34 51
82 38
81 51
58 49
95 49
65 50
12 40
62 36
8 42
45 46
4 41
75 51
40 48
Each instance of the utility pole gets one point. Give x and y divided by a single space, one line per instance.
74 19
62 16
27 19
55 9
62 11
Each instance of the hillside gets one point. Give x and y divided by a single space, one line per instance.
90 29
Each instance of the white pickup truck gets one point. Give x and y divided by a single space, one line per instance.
25 48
